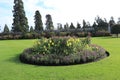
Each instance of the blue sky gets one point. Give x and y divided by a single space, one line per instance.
62 11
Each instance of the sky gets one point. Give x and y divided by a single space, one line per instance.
62 11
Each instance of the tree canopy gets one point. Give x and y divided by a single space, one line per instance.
20 23
38 22
6 29
49 22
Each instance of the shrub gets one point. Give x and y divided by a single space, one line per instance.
101 33
62 51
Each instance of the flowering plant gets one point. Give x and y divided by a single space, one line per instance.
65 46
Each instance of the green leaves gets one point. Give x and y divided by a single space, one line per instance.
62 46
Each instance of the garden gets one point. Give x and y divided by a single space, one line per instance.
63 51
12 68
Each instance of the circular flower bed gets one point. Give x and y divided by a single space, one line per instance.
62 51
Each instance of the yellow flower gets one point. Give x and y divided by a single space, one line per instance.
38 42
52 43
44 47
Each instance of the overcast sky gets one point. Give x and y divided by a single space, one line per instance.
62 11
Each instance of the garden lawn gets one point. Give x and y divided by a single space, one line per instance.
12 69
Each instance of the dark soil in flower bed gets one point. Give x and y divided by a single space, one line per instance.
82 57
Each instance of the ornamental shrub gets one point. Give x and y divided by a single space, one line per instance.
62 51
62 46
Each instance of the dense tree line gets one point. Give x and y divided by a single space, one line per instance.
20 23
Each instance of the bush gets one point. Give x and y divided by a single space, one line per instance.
62 51
101 33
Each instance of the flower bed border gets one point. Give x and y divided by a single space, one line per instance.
32 61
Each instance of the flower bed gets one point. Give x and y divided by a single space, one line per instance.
62 51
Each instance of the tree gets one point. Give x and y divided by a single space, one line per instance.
6 29
38 22
118 22
78 26
0 28
31 29
49 23
115 29
111 22
20 23
59 26
94 26
88 24
84 24
66 26
72 26
101 24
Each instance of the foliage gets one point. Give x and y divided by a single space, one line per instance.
6 29
111 22
62 51
38 22
20 23
61 46
72 26
101 33
101 24
116 29
49 23
31 29
78 25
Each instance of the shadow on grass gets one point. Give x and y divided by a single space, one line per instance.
14 59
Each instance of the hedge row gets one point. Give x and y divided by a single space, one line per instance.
4 36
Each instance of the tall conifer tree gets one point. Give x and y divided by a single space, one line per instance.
6 29
49 23
20 23
38 22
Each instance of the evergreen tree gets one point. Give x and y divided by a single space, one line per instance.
66 26
101 24
78 26
31 29
111 22
72 26
0 28
118 22
59 26
38 22
88 24
20 23
84 24
6 29
94 26
49 23
116 29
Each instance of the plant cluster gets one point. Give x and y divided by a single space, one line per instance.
62 51
62 46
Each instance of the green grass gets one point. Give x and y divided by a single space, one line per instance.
12 69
